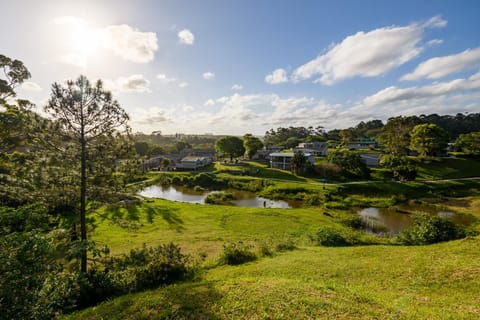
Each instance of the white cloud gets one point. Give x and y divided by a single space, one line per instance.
74 59
31 86
367 54
133 83
130 43
208 75
277 76
185 36
394 94
150 117
183 84
165 79
435 22
237 87
187 108
439 67
209 103
434 42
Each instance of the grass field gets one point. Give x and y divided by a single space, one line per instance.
378 281
205 228
375 282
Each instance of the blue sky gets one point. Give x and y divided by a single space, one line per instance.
232 67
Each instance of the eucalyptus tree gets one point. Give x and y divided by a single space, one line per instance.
230 145
86 140
15 120
298 162
429 139
251 144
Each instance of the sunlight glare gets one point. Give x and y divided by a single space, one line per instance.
83 39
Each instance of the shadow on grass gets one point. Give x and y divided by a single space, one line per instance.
170 215
129 216
190 301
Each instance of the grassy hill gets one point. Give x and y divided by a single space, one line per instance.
375 282
205 228
366 282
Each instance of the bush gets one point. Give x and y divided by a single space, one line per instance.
330 237
166 265
237 253
219 198
287 245
431 229
25 260
151 267
59 294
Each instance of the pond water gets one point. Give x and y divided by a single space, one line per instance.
243 198
394 220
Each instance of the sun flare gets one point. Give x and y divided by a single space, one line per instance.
83 39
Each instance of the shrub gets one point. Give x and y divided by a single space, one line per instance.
25 261
287 245
330 237
59 294
312 199
166 265
219 198
151 267
237 253
431 229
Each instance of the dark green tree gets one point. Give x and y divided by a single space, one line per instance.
429 139
396 134
86 140
251 144
469 142
15 124
233 146
298 162
350 162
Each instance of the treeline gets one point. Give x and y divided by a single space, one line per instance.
453 125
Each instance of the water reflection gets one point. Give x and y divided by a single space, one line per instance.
243 198
394 220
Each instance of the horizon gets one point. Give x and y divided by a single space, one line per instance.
229 68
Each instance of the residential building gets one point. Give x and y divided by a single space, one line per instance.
282 160
317 148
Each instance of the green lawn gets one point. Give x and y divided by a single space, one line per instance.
448 168
203 228
376 282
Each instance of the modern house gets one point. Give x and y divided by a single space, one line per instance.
316 148
193 163
264 153
366 143
282 160
371 160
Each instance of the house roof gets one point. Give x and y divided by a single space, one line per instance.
286 154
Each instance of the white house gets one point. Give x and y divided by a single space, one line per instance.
316 148
281 160
371 160
193 163
362 144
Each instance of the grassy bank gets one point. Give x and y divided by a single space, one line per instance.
380 282
206 228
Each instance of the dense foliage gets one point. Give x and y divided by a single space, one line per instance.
431 229
469 142
429 139
232 146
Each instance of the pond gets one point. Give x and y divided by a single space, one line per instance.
243 198
392 221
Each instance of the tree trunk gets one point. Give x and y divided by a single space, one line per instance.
83 196
83 191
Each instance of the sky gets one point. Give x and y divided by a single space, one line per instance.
236 67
